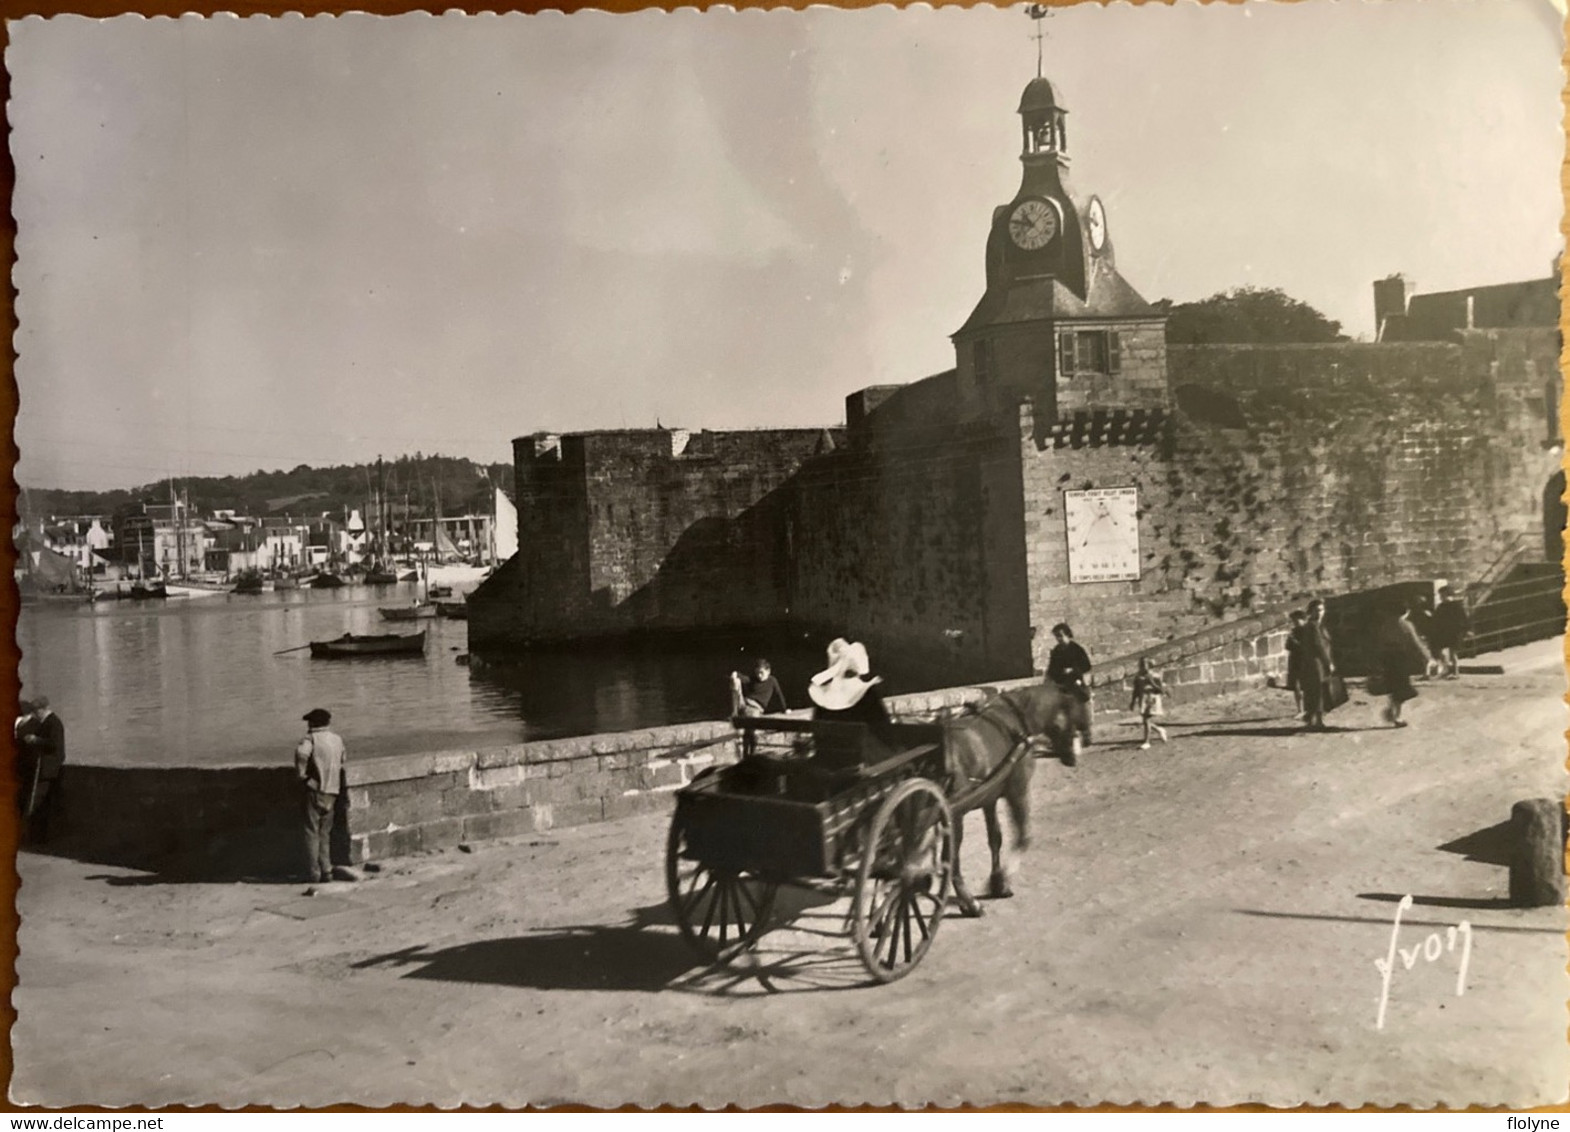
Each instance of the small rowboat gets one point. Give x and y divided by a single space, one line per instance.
454 610
408 612
387 644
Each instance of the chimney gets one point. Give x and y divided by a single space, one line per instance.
1391 296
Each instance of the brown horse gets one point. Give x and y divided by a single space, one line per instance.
990 757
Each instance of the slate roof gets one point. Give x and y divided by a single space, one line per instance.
1110 296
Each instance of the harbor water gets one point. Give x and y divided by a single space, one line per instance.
206 680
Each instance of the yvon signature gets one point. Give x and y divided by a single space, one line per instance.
1430 950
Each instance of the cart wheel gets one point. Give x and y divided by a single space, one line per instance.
721 911
903 883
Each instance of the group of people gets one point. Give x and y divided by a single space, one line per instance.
1410 642
848 691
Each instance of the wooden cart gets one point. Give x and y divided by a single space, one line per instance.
813 802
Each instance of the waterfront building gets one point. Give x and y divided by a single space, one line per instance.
164 538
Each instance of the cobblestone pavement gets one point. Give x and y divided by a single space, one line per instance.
1194 923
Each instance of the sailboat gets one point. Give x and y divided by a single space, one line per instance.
379 574
421 607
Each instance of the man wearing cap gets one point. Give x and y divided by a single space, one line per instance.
319 761
41 747
1067 666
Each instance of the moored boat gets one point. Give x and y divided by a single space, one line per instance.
453 610
408 612
386 644
326 581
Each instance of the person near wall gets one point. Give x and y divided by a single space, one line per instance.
1067 667
753 696
40 742
847 691
1146 701
1422 620
1294 651
1450 628
319 761
759 694
1402 654
1316 664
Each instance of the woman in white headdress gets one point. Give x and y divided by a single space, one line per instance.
847 691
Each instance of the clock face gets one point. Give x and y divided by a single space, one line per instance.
1033 224
1096 221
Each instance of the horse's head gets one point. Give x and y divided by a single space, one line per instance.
1045 710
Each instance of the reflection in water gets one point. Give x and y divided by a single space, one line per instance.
641 684
201 682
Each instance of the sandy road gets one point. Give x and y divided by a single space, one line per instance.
1194 923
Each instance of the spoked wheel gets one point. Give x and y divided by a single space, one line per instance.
721 911
903 884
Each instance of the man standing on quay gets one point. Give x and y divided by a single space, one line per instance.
319 761
40 740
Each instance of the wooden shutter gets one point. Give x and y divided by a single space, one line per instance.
1066 353
1114 352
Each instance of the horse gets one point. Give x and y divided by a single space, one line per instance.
991 758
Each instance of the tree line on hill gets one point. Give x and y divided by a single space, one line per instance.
413 483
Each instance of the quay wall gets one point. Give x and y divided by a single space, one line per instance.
244 822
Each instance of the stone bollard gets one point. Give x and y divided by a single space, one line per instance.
1537 857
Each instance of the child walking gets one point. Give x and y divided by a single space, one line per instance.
1146 700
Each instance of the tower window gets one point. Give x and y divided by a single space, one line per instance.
981 362
1089 351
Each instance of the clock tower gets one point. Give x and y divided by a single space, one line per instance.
1057 323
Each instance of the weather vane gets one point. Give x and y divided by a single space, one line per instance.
1039 12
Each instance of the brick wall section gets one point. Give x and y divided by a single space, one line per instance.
913 546
1140 383
204 822
410 803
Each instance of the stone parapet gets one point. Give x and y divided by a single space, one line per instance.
246 821
410 803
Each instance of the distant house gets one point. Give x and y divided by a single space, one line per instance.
1403 316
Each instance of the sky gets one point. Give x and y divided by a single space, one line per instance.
255 243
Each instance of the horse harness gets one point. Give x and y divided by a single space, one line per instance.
986 790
